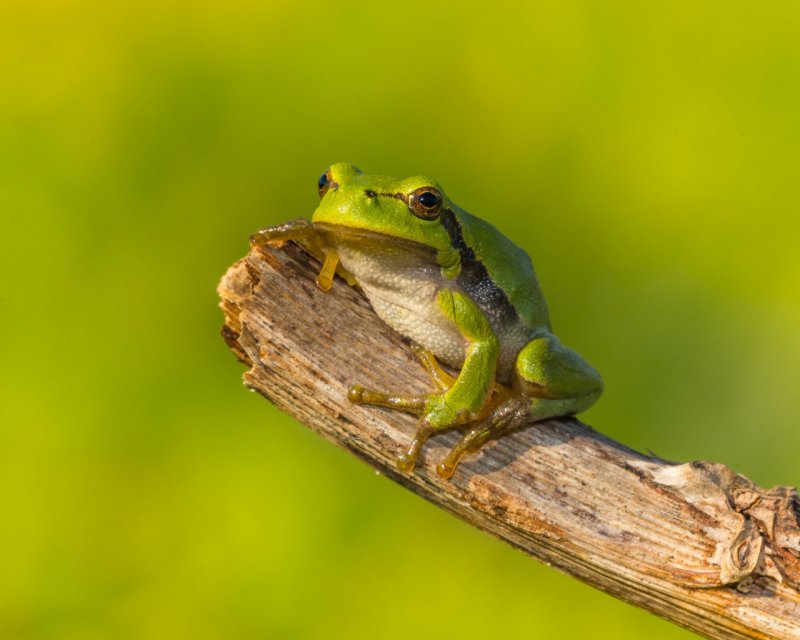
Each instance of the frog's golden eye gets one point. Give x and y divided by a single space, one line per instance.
425 203
324 183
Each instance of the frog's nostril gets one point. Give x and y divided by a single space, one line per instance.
370 193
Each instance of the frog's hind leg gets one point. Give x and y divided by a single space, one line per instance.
508 415
512 414
550 380
557 379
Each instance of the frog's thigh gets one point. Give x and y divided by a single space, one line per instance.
559 381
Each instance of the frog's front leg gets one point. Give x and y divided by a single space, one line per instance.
460 401
302 231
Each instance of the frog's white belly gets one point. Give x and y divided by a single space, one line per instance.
424 324
404 297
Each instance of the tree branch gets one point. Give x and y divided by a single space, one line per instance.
694 543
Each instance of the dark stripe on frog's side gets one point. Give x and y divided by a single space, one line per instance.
474 277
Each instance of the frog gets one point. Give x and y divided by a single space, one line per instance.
463 294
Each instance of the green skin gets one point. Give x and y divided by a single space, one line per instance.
464 294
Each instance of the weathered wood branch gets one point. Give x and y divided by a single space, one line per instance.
694 543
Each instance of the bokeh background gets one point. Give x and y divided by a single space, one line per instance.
645 154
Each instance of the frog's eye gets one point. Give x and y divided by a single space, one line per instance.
425 203
324 183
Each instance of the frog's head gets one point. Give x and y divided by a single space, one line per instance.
408 209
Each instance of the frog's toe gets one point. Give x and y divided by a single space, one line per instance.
468 444
267 237
355 394
363 395
508 415
446 469
277 235
407 460
328 270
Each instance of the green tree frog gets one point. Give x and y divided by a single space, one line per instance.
464 294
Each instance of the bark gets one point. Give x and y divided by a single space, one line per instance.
694 543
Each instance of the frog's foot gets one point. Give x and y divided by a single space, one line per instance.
411 404
300 229
303 232
513 411
434 413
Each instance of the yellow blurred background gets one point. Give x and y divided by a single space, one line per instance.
645 154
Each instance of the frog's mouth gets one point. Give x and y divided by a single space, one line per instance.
337 235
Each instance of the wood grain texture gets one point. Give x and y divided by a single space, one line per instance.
694 543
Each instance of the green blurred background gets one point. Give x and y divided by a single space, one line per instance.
645 154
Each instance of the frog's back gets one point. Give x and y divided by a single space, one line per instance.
511 288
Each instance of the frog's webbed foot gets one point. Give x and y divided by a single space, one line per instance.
436 411
303 232
511 412
410 404
300 229
434 416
